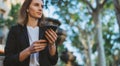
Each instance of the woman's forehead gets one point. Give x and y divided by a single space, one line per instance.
37 1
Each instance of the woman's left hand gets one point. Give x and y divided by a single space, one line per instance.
51 36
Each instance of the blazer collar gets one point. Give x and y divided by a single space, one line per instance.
26 35
41 34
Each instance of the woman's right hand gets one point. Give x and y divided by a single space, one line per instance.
37 46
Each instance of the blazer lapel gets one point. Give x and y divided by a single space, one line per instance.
25 32
26 36
41 33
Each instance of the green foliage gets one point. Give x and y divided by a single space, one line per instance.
107 36
109 5
117 39
76 12
77 43
13 15
1 21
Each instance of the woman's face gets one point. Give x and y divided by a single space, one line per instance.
35 9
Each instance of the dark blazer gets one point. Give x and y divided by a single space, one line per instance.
17 41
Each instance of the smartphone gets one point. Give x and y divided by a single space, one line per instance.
51 27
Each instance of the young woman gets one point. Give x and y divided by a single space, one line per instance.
24 45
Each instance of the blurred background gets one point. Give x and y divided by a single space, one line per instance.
89 30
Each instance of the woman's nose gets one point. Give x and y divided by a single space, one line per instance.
40 8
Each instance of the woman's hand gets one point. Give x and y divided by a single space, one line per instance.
35 47
38 46
51 36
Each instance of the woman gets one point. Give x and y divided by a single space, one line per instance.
24 45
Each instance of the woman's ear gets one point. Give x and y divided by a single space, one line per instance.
27 10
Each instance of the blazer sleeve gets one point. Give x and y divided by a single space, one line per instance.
53 59
11 55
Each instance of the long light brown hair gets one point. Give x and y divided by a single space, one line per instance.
23 15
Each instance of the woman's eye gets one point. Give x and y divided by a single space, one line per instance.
42 6
39 5
36 4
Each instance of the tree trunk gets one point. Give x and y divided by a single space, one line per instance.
89 51
101 52
117 10
87 48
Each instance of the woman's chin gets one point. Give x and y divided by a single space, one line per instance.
38 17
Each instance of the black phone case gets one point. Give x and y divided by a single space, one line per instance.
49 27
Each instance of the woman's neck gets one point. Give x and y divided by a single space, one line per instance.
33 22
69 63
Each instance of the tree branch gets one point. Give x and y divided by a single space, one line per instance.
88 3
83 41
102 4
117 6
89 11
97 2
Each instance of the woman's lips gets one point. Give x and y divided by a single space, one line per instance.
39 13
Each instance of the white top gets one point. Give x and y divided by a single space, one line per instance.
33 34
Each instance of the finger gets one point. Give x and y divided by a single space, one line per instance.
34 49
54 33
51 32
49 40
40 48
40 41
39 44
43 44
37 49
50 35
